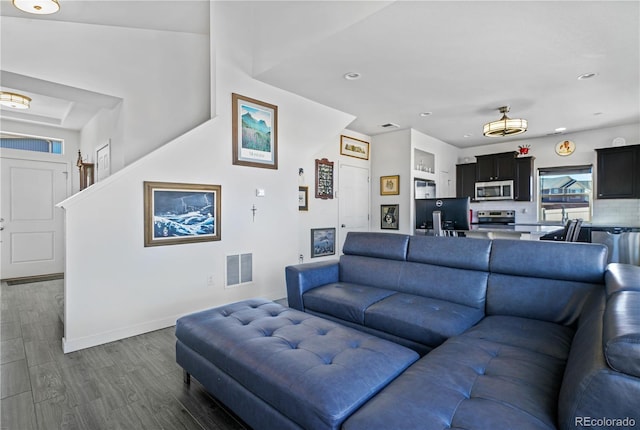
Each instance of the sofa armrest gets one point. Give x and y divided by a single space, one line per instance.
621 277
301 278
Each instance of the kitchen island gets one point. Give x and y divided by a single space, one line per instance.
504 231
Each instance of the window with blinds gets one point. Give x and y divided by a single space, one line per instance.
565 193
30 143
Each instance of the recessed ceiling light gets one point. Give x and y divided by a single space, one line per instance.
468 135
560 129
423 114
598 113
352 76
587 76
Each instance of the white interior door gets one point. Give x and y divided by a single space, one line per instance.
353 201
32 241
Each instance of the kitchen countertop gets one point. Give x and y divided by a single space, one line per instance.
516 228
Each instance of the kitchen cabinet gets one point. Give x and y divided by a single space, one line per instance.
523 181
618 175
466 180
496 167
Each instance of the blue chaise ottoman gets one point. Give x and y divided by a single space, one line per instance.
277 367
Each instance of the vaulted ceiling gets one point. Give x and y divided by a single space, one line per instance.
455 62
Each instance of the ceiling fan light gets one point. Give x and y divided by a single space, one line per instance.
14 100
39 7
505 126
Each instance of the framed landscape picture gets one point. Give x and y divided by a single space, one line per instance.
354 147
389 217
389 185
323 242
181 213
255 132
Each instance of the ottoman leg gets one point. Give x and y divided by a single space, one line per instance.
186 377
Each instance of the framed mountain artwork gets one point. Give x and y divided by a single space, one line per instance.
255 133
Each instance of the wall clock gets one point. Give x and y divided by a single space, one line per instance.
566 147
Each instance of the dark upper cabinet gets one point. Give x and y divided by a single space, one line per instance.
618 175
523 182
496 167
466 180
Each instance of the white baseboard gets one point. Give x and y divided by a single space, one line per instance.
71 345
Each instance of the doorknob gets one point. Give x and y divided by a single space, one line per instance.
343 225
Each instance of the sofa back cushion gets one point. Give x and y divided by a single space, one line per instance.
621 333
379 245
459 253
549 281
461 286
373 272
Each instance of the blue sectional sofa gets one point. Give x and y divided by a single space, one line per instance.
405 332
515 334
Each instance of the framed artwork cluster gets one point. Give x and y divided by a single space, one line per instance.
389 213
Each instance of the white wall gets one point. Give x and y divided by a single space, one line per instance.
392 155
623 211
115 287
162 76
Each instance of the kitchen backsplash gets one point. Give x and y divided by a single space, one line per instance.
613 212
624 212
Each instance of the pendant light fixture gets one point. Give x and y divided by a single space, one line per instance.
14 100
39 7
505 126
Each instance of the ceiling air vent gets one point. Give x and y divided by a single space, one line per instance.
390 125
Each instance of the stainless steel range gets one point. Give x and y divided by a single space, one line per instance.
497 217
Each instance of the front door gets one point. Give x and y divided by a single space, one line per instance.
353 201
31 236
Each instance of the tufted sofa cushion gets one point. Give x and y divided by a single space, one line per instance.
313 371
503 373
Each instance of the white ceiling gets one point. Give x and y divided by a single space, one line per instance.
459 60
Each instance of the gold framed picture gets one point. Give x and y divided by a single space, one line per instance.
389 185
181 213
352 147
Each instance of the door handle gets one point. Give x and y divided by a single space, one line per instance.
343 225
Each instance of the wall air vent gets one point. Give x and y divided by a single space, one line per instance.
390 125
239 270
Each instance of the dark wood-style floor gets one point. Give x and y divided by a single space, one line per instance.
134 383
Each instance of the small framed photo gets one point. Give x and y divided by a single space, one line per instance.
255 133
354 147
303 198
389 217
181 213
389 185
323 242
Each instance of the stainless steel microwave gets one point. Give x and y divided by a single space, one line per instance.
495 190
